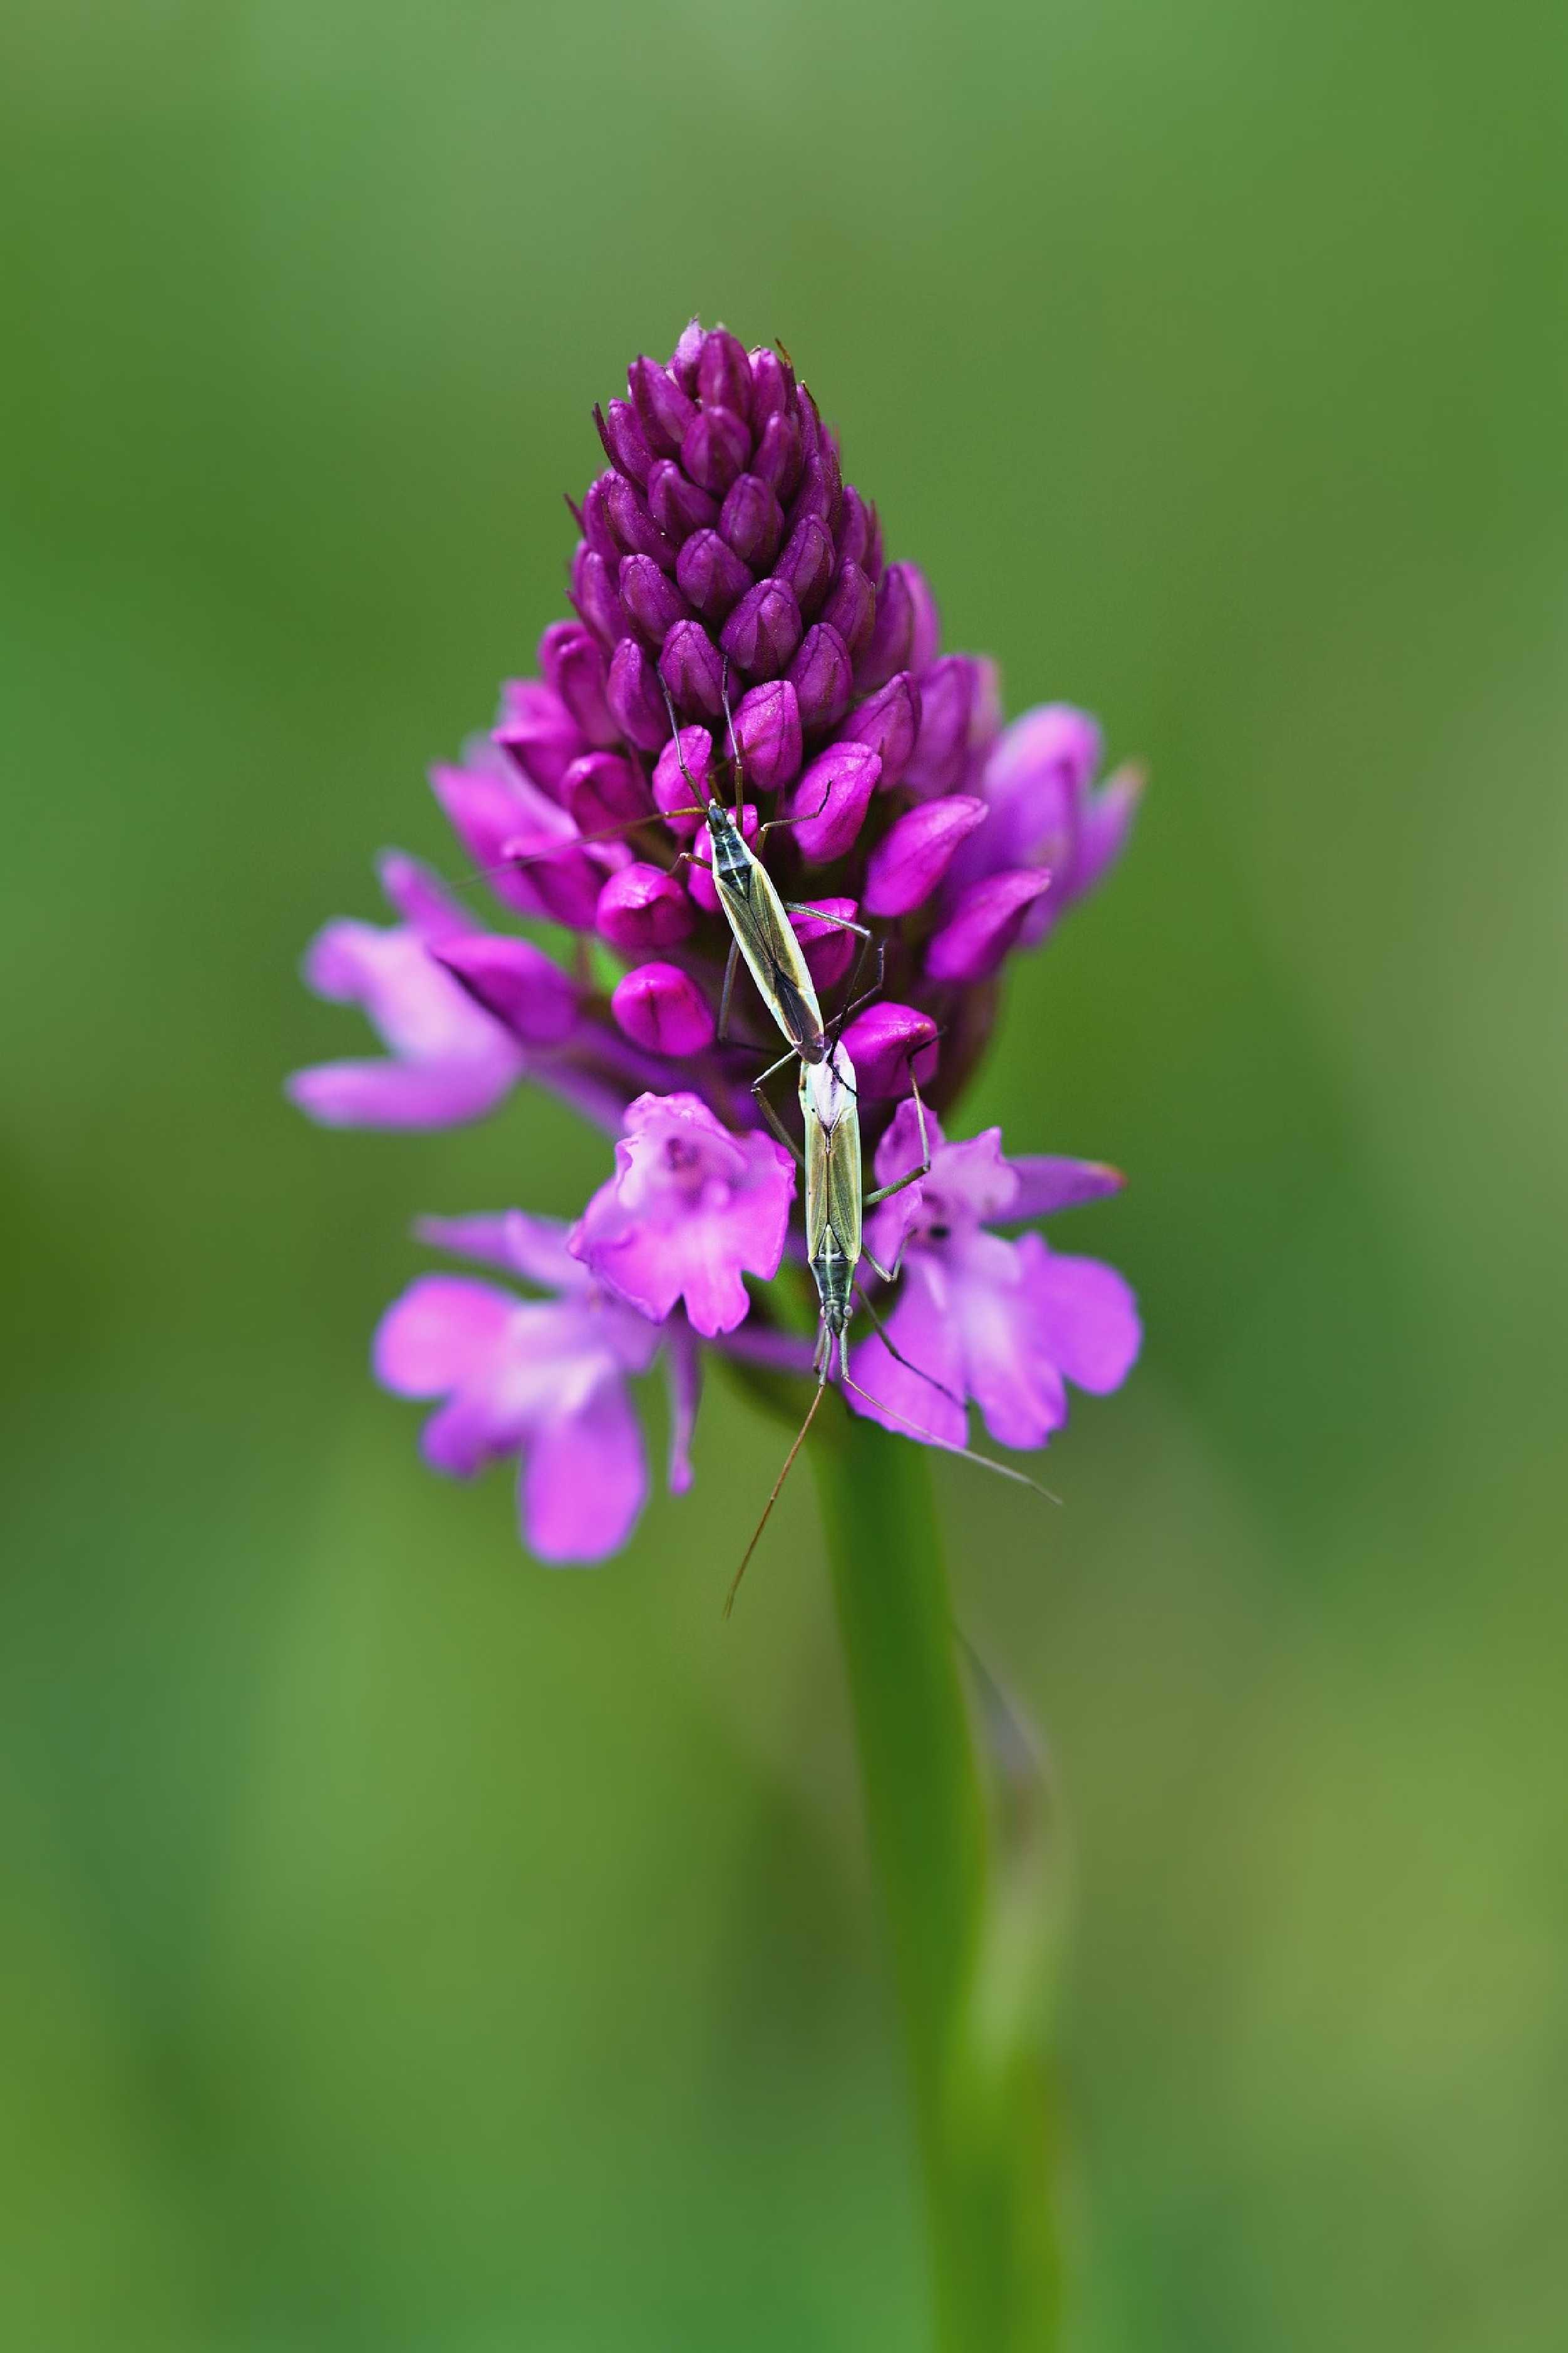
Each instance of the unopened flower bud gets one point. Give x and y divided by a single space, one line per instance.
768 734
653 602
851 606
597 528
822 678
573 661
888 721
751 521
830 801
642 908
915 852
676 505
806 564
634 698
764 630
683 779
625 445
891 1045
661 1009
955 708
692 667
604 791
724 373
633 528
595 595
830 948
712 575
857 531
664 409
777 456
902 635
772 384
688 351
984 925
714 448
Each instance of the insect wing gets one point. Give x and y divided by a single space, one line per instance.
767 941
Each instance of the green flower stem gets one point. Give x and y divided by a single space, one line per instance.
964 1917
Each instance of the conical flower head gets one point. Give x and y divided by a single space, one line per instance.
738 639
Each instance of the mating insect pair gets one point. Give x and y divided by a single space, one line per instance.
763 935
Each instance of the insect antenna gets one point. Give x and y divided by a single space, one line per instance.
1002 1470
772 1499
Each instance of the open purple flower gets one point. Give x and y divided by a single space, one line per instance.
542 1379
1007 1322
738 633
450 1060
689 1210
1038 786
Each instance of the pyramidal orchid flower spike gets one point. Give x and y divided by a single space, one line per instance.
738 635
729 578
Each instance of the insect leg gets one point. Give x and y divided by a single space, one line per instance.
730 963
894 1351
769 1114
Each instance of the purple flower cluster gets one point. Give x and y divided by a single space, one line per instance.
727 574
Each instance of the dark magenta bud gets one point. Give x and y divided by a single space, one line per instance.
814 496
888 721
653 602
661 1009
594 596
665 410
805 566
768 734
773 386
634 698
764 630
514 981
573 662
690 667
724 373
714 448
712 575
905 634
778 457
954 694
751 521
851 606
822 678
986 919
857 527
890 1045
604 790
634 529
683 779
641 908
622 436
915 852
537 732
683 359
829 803
676 505
597 520
830 950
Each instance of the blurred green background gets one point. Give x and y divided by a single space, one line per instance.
403 1946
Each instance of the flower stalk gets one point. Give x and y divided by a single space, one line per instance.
964 1922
